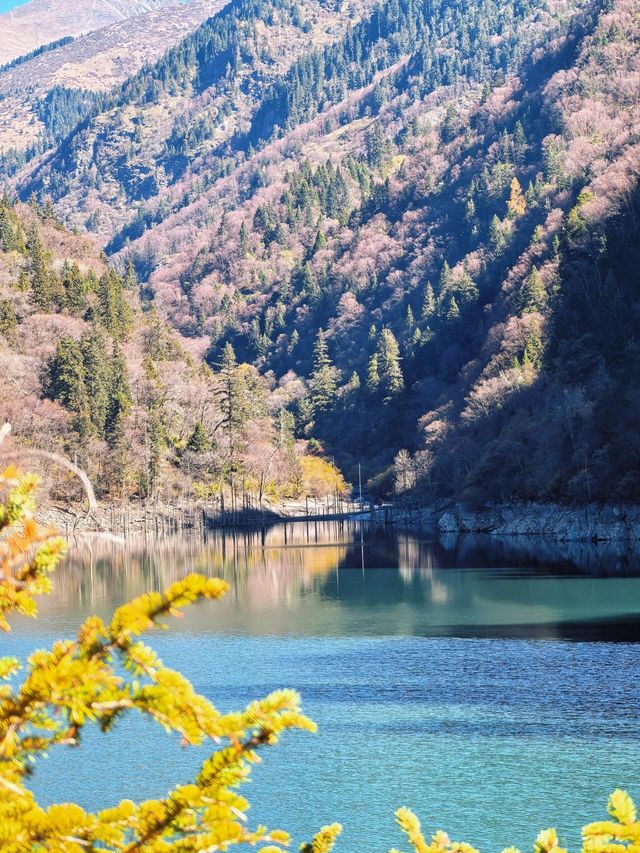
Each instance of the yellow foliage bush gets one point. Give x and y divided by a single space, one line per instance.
320 478
106 672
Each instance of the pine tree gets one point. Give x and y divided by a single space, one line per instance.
373 374
285 424
497 240
319 243
8 238
130 276
38 270
112 311
533 296
446 278
199 441
154 444
519 144
376 145
234 404
66 383
453 310
391 378
97 371
243 239
308 282
119 397
74 288
324 378
409 321
429 304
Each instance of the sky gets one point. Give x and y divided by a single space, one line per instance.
5 5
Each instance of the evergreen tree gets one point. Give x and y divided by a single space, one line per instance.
391 378
8 319
324 378
130 276
453 310
113 311
154 447
497 239
376 145
97 372
119 397
519 144
409 321
429 304
66 383
319 243
373 374
446 278
534 293
466 290
304 415
243 239
38 270
294 340
8 235
74 288
199 441
232 397
308 282
285 423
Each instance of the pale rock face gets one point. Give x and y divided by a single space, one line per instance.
42 21
570 524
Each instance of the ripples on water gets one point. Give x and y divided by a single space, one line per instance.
440 673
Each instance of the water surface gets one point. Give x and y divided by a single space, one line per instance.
475 681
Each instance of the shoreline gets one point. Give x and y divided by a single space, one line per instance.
588 523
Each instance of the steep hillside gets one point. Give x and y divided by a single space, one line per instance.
43 21
417 221
88 371
177 123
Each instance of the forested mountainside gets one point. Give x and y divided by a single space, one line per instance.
66 75
88 371
417 220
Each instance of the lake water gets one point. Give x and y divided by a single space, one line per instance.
491 687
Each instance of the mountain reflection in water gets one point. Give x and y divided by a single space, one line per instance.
352 579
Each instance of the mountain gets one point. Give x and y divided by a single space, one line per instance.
418 221
96 61
43 21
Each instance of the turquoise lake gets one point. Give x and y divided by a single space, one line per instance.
490 686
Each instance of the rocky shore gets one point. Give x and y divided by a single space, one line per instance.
589 523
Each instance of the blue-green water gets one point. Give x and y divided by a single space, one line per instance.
471 681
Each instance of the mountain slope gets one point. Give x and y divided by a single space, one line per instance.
96 61
43 21
192 103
